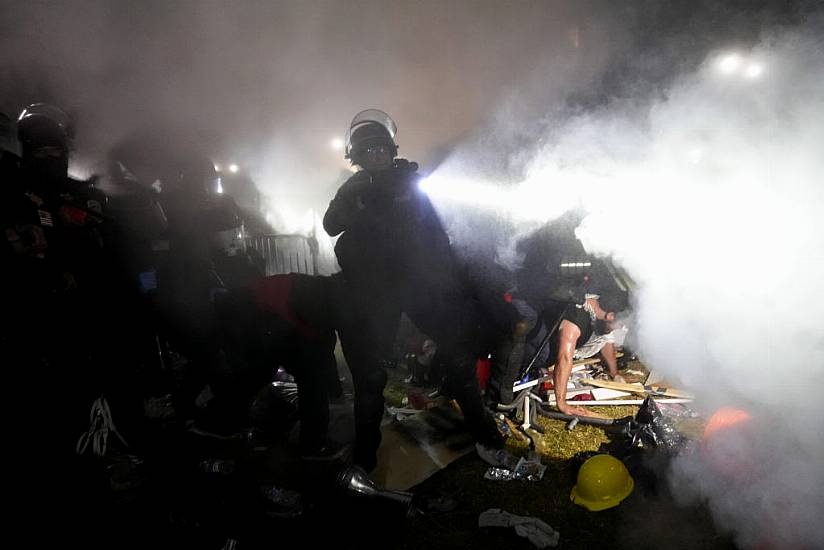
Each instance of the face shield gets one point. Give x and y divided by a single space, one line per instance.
365 119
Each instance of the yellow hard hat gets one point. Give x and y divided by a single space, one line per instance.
603 482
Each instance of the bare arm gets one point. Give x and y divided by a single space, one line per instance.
609 358
568 334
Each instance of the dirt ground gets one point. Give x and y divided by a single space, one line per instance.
648 518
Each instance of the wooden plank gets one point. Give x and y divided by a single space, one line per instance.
636 388
601 394
622 402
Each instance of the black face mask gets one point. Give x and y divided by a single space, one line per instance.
47 172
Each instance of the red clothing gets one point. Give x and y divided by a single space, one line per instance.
273 295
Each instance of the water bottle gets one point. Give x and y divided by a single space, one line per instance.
503 425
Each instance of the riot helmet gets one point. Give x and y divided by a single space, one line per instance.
43 125
45 133
370 130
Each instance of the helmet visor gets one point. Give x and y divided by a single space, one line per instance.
370 116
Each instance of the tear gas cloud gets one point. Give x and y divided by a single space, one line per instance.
268 85
712 199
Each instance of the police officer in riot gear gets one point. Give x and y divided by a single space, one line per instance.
205 261
45 132
395 257
52 222
56 310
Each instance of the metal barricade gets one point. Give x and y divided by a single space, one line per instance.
286 253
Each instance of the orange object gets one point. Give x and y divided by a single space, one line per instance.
728 443
724 419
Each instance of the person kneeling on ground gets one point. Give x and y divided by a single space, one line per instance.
572 324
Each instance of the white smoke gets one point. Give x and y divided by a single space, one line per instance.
712 198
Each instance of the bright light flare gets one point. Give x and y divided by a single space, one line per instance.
729 63
337 144
217 167
425 185
735 64
754 70
234 168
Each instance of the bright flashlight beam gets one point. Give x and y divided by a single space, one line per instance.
233 168
531 200
482 195
337 144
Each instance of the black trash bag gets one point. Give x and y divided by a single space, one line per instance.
652 429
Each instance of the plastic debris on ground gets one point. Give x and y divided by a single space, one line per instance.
676 410
539 533
500 458
401 413
506 467
499 474
530 467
